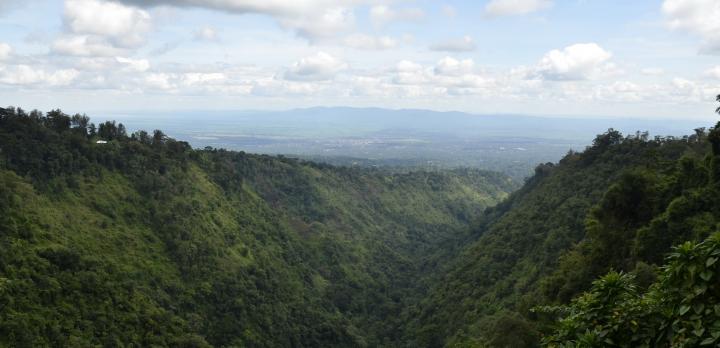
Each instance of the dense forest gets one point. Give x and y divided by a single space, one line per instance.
640 214
113 239
116 239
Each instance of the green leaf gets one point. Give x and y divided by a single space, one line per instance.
707 341
684 309
706 275
711 261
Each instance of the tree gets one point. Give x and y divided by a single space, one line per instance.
121 132
57 120
81 123
158 137
142 136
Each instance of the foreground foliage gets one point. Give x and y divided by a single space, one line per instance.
682 309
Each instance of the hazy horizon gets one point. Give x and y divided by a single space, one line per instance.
513 144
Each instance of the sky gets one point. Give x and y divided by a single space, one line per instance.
576 58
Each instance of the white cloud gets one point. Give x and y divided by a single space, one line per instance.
319 67
464 44
624 91
327 23
206 34
496 8
684 86
576 62
85 45
448 77
408 66
101 28
278 88
273 7
653 71
159 81
138 65
696 16
124 26
191 82
713 72
452 66
383 14
368 42
5 51
312 19
26 75
409 73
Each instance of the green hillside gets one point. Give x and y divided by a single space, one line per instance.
145 241
619 206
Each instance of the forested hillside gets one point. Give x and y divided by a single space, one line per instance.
619 206
142 240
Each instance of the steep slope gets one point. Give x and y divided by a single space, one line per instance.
145 241
631 230
525 252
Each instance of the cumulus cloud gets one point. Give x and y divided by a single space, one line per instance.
312 19
5 51
191 82
321 24
713 72
464 44
368 42
653 71
496 8
449 76
274 7
319 67
101 28
383 14
281 88
85 45
699 17
124 26
409 73
452 66
206 34
576 62
138 65
26 75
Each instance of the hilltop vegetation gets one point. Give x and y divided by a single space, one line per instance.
145 241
